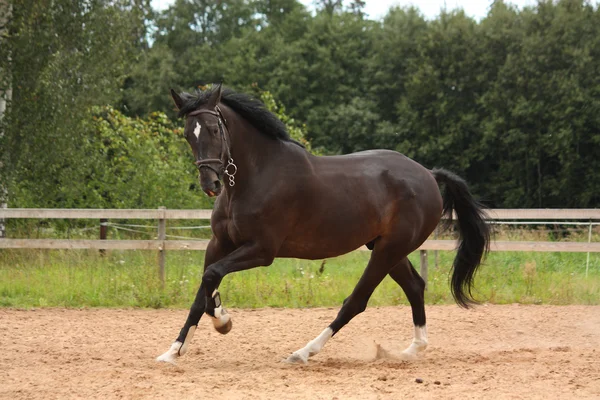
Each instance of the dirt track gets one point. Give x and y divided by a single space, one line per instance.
493 352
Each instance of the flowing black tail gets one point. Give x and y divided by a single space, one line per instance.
474 233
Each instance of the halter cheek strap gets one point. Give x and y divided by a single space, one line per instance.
230 169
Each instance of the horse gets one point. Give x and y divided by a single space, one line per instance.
276 199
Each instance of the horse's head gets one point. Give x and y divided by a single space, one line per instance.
205 131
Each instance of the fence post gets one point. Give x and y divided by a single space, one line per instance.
423 254
3 204
103 230
162 235
435 252
2 221
587 262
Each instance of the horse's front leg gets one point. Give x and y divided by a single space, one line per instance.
214 252
208 299
245 257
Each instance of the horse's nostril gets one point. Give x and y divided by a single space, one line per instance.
217 185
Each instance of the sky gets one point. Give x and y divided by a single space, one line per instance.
376 9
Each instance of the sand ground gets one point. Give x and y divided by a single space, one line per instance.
491 352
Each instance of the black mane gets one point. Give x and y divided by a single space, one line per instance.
250 108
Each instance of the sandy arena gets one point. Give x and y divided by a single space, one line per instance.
492 352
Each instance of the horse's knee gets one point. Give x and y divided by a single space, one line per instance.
211 278
353 307
418 283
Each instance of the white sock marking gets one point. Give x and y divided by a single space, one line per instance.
197 130
188 339
312 348
177 348
171 355
418 344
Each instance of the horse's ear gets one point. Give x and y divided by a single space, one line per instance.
177 99
215 97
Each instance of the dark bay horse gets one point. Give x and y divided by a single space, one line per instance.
275 199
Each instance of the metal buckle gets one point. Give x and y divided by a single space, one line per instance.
231 175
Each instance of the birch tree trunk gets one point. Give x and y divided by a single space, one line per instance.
5 96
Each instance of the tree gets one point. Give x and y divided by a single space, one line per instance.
5 96
138 163
437 111
330 6
65 57
357 7
543 109
510 103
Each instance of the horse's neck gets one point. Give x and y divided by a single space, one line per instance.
251 150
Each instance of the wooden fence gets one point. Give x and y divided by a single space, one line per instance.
588 217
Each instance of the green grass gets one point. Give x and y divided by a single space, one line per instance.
81 278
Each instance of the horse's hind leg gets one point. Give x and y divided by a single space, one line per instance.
414 287
379 265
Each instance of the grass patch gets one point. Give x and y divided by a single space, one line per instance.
83 278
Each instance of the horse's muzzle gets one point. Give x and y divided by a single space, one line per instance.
210 180
213 189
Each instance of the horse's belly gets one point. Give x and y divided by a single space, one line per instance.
327 241
315 251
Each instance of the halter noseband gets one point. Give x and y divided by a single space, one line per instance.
225 151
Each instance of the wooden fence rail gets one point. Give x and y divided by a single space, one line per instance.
200 244
162 244
585 214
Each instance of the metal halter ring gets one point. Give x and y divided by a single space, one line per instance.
231 175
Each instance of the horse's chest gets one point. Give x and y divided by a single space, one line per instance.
225 229
220 229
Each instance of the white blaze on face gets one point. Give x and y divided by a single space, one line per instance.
197 130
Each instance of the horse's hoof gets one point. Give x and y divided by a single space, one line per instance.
171 355
408 356
296 358
224 329
412 352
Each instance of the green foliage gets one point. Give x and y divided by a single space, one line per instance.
540 111
141 163
60 58
129 163
511 102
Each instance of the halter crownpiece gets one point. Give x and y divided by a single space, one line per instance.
230 169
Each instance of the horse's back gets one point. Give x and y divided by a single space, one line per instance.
395 182
380 174
354 199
